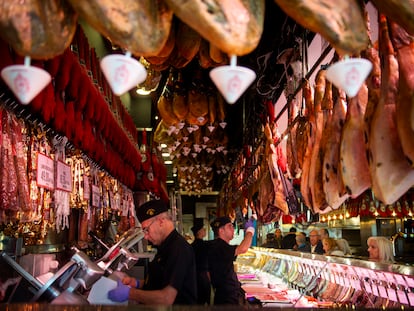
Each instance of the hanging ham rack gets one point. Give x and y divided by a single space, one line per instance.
248 176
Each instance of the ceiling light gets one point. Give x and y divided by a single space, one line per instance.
143 91
168 162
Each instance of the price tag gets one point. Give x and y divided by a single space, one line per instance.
411 299
382 291
86 187
332 277
64 177
372 275
392 294
409 280
357 284
400 280
45 172
402 297
347 279
367 287
124 208
341 280
389 277
374 289
96 196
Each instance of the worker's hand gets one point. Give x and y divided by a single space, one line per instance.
249 226
130 281
120 293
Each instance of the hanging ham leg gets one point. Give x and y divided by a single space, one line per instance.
235 27
353 161
333 185
339 22
315 174
304 180
401 11
404 45
141 27
391 174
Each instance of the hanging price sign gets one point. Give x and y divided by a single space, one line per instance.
64 177
45 172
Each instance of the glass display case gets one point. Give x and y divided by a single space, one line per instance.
337 281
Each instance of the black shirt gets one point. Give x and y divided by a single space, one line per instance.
227 289
203 281
174 264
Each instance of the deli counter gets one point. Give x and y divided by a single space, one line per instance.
296 279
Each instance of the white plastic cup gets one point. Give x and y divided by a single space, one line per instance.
349 74
122 72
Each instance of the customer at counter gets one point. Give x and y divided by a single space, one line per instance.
323 233
331 248
302 244
172 273
289 240
221 255
380 249
315 242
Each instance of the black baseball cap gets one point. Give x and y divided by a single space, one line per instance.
220 222
150 209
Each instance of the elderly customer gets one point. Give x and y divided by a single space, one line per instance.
301 244
380 249
315 242
331 248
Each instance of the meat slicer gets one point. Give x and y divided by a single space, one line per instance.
73 281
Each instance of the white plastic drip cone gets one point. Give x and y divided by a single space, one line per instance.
122 72
232 80
25 81
349 74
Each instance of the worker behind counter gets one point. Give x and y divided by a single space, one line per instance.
200 252
172 273
221 255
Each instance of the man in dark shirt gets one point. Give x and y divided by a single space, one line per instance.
221 255
315 242
172 273
200 252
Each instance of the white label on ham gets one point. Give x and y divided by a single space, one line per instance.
45 172
86 188
64 177
96 196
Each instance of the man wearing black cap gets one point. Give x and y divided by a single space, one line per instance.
171 274
221 255
200 252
